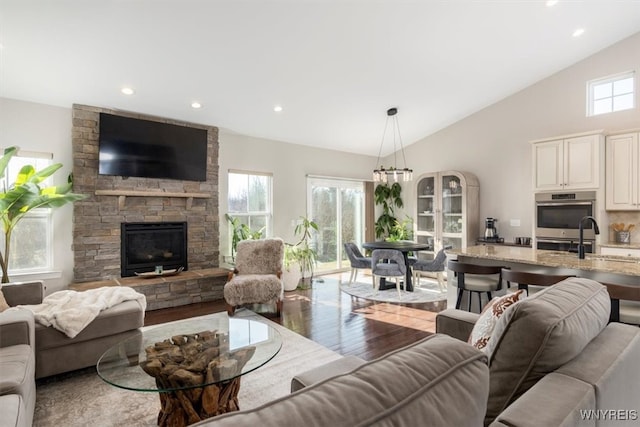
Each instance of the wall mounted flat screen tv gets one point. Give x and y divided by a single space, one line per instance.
144 148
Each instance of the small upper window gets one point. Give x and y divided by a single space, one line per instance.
609 94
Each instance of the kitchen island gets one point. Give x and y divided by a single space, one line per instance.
616 269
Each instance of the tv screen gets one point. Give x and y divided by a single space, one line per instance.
143 148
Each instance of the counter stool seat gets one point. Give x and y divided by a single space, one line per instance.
524 279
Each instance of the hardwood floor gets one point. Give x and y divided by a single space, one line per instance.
324 314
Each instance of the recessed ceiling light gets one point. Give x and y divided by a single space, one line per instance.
196 105
578 32
127 91
551 3
277 108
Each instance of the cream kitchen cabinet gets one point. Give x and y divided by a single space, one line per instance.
447 205
622 176
618 251
574 162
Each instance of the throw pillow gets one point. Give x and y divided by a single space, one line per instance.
485 324
3 302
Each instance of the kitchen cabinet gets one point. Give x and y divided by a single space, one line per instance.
617 251
622 177
447 206
568 163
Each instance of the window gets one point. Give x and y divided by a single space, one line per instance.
31 240
337 206
611 94
249 199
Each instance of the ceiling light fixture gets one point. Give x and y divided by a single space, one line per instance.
196 105
578 32
551 3
277 108
382 174
127 91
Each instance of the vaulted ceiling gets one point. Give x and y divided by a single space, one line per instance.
334 66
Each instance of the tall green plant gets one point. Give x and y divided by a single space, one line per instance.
304 253
241 231
389 197
26 194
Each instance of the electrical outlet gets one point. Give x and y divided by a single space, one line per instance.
514 222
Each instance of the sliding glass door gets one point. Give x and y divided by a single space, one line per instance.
337 206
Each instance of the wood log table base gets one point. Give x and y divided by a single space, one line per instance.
183 363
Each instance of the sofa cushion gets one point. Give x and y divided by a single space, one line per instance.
13 411
556 400
540 334
606 365
119 318
486 323
17 370
420 384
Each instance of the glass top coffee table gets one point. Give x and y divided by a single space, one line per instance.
194 364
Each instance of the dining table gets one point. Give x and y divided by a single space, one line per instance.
404 246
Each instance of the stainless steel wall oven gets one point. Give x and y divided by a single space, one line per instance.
558 218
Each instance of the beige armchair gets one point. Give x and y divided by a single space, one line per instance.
257 277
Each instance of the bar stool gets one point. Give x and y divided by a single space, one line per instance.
476 278
624 303
524 278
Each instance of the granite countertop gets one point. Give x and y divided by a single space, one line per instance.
621 245
593 262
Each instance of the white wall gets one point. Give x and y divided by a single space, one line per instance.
290 164
38 127
494 143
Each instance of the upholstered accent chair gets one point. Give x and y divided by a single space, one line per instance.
436 265
357 260
257 277
387 263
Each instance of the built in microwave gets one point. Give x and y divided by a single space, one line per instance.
558 215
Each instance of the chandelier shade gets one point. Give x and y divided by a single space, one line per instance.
382 174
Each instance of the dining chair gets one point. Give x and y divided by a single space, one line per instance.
436 265
357 260
387 263
475 278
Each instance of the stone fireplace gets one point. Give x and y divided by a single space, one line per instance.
113 200
145 246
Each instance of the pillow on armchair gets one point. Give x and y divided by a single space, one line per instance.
539 334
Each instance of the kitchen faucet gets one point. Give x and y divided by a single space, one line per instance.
596 230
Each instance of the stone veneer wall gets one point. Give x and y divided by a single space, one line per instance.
97 219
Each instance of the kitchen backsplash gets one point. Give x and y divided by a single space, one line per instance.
626 218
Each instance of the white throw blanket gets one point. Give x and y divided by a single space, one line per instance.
71 311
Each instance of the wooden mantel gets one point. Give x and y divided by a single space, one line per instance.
123 194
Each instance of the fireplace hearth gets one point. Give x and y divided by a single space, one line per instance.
146 246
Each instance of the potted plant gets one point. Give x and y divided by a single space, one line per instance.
292 273
240 232
389 197
304 254
401 230
26 194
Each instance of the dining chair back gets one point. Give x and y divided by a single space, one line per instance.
357 260
436 265
387 263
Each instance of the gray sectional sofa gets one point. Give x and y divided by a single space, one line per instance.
553 360
29 350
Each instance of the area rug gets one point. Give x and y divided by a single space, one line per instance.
429 291
81 398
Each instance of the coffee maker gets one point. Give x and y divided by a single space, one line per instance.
490 231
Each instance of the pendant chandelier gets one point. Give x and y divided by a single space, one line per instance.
383 174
